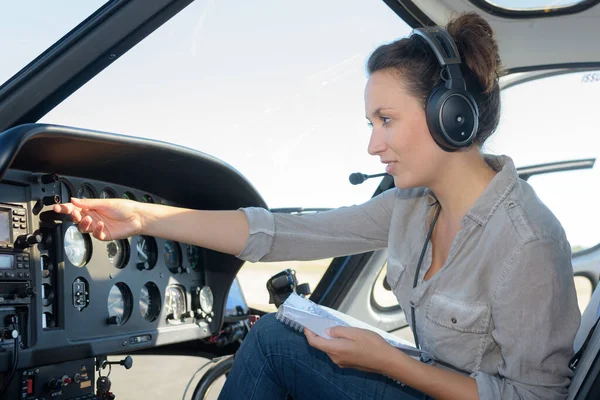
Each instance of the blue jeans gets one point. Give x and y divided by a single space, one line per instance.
275 361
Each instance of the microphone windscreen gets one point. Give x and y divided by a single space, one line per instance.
357 178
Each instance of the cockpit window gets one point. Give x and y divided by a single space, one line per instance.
274 89
30 27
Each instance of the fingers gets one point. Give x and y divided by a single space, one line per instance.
68 209
99 231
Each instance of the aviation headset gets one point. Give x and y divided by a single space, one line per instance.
451 111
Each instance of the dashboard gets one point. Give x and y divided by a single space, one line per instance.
66 297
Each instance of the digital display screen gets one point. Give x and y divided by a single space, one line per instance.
6 261
4 227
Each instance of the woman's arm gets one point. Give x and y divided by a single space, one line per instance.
224 231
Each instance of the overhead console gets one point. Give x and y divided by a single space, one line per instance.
66 297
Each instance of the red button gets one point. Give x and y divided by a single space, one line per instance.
67 380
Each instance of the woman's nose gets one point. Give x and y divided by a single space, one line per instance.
376 142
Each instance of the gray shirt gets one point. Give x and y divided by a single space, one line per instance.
502 308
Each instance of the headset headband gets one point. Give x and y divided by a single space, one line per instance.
446 52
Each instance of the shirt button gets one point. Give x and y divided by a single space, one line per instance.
453 320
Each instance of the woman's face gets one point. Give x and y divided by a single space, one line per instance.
400 136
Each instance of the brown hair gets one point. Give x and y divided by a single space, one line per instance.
414 61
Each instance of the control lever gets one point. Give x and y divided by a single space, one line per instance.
127 362
284 283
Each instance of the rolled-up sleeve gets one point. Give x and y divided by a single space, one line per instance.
342 231
535 347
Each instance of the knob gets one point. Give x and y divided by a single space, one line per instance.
114 320
51 200
55 384
28 240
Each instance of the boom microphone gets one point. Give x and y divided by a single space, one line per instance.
358 178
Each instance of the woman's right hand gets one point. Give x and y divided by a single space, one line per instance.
106 219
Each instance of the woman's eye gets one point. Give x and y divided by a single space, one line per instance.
370 124
385 120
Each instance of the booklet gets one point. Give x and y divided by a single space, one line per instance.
299 312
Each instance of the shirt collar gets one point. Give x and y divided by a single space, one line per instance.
494 194
497 190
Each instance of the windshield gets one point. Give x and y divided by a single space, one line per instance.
30 27
275 89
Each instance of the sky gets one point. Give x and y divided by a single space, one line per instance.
275 89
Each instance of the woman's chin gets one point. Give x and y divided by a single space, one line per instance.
403 183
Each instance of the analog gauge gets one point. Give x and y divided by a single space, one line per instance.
129 196
173 256
119 304
86 191
193 255
147 252
206 299
175 302
108 193
147 199
66 191
78 246
150 301
118 253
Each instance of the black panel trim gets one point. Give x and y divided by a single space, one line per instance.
79 56
540 13
410 13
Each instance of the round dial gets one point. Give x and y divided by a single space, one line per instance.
86 192
108 193
66 191
173 256
206 299
147 199
77 246
118 253
119 304
174 302
150 301
193 255
129 196
147 252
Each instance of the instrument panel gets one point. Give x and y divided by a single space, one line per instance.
126 285
66 296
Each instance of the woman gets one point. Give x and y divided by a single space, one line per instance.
479 264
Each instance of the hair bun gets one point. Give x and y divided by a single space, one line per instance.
478 48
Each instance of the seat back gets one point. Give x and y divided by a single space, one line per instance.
588 319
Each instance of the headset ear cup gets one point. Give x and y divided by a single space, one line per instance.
432 114
452 118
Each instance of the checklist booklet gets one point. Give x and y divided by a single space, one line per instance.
299 313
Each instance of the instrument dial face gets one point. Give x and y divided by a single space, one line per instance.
118 253
119 303
77 246
129 196
173 256
175 302
108 193
150 301
206 299
86 191
193 255
147 252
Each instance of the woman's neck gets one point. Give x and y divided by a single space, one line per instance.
462 181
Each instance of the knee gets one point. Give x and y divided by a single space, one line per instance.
268 332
